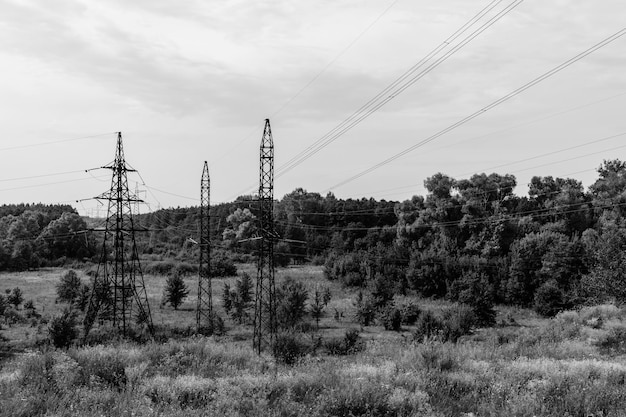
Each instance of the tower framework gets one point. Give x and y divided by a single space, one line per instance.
118 294
204 307
265 302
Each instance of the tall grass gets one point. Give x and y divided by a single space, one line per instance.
554 367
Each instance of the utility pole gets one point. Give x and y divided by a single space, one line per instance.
119 294
265 303
204 308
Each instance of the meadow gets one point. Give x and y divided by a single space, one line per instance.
571 365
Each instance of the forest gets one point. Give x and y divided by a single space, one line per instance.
467 239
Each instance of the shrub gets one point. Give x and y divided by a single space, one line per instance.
351 343
290 303
410 312
457 321
549 299
15 297
222 265
428 326
613 342
239 301
288 348
62 329
4 304
69 287
365 309
391 318
320 301
175 291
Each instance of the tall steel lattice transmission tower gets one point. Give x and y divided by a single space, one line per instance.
204 308
265 303
119 295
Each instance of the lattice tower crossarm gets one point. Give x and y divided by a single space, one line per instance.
265 300
204 307
118 286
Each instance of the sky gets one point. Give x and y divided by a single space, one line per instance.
194 81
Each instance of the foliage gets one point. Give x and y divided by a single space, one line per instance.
613 342
15 297
62 329
351 343
291 297
549 299
175 291
238 302
222 265
409 312
288 348
69 287
365 309
391 318
321 298
4 304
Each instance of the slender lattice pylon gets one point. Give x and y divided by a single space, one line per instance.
265 303
119 293
204 308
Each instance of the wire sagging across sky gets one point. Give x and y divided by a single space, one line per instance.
423 67
485 109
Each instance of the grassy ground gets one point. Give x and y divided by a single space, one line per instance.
572 365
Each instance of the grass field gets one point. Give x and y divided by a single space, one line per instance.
572 365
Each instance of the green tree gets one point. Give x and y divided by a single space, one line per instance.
69 287
15 297
240 298
606 252
175 291
321 298
291 299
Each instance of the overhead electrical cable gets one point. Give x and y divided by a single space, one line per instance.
317 76
32 145
400 84
403 82
485 109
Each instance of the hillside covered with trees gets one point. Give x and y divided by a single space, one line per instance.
557 247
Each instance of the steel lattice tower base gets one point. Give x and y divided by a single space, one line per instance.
265 303
204 307
118 294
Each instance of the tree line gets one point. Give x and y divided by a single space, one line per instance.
558 246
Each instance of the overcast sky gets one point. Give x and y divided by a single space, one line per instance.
192 81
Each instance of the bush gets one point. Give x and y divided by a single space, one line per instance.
4 304
15 297
62 329
222 265
457 321
351 343
428 326
290 303
288 348
391 318
410 312
69 287
239 301
614 342
549 299
365 309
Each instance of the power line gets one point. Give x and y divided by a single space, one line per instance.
317 76
485 109
400 84
32 145
403 82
